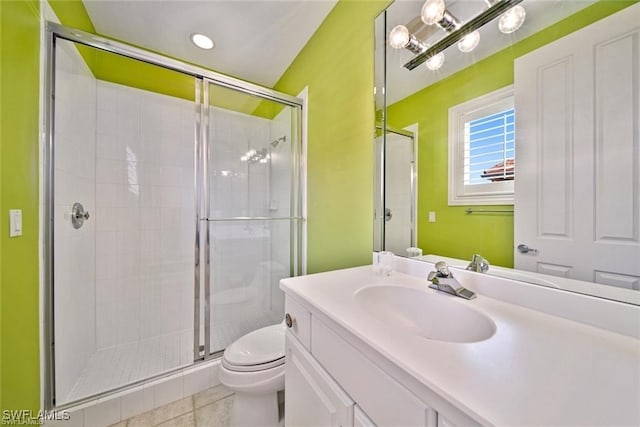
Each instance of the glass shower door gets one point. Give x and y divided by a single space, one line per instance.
251 203
123 213
172 210
394 220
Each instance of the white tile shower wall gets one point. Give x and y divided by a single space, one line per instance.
241 251
74 250
144 216
239 188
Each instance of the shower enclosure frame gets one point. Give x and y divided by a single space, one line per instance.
203 78
380 200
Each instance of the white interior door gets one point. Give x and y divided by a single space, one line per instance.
578 182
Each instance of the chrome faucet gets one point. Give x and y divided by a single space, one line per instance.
478 264
442 280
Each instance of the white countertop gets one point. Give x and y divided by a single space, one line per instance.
537 369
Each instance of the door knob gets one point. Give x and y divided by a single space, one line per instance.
524 249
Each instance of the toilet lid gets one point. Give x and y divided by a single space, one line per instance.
257 348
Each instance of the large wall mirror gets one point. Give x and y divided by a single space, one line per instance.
513 134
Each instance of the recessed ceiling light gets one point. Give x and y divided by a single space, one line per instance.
202 41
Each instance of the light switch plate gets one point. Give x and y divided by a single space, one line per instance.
15 222
432 216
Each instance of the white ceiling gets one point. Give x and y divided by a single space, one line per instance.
256 40
402 82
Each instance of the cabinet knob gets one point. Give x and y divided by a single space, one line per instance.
289 320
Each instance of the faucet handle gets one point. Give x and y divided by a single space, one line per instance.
443 269
478 263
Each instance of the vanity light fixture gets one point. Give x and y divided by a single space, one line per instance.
435 62
469 42
512 20
432 11
466 34
202 41
401 38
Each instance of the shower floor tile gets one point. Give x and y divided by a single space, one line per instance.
125 364
120 365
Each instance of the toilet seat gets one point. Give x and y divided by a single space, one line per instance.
259 350
253 368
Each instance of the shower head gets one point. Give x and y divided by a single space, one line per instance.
275 143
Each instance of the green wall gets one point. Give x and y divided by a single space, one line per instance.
337 66
455 233
19 286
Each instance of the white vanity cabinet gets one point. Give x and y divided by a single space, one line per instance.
329 382
348 364
312 397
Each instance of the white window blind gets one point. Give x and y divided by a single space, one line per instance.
490 148
482 150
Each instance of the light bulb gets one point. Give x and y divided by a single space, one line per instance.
435 62
512 19
399 37
202 41
432 11
469 42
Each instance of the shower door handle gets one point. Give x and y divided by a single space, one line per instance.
387 214
78 215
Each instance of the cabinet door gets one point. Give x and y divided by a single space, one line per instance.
312 397
386 402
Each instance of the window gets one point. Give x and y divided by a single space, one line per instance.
482 150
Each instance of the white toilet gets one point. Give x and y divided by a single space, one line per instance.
253 367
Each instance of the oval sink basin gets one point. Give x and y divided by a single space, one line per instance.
424 314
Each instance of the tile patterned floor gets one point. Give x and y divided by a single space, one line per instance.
209 408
